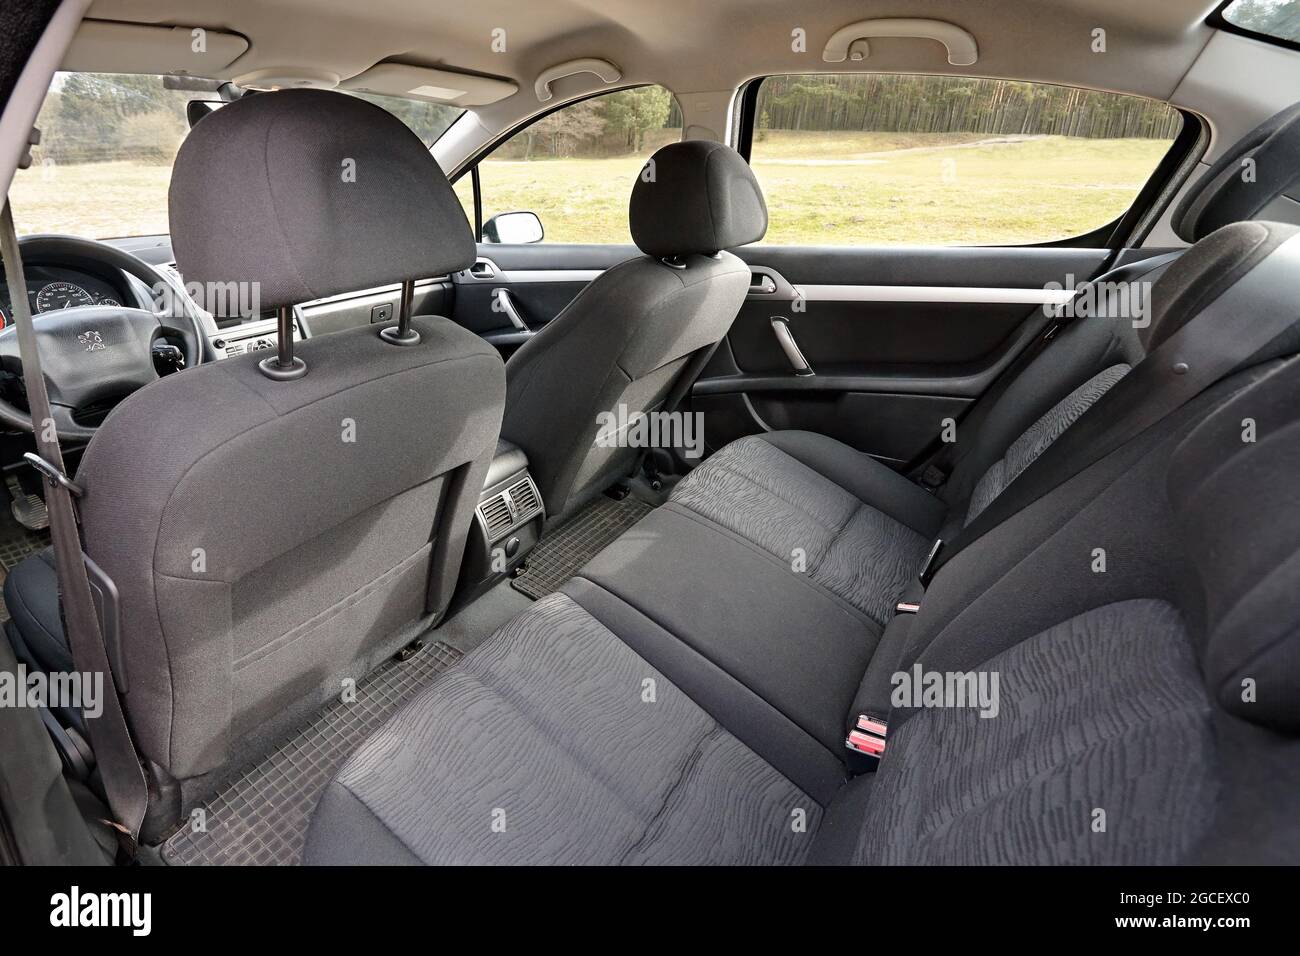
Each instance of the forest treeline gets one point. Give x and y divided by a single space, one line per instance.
106 117
951 104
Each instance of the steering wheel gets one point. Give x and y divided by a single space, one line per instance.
99 353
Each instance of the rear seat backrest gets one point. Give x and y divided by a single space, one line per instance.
1116 707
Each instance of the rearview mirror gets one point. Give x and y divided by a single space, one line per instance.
513 227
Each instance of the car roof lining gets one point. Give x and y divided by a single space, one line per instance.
1151 45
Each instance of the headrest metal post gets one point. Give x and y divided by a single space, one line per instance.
284 367
402 333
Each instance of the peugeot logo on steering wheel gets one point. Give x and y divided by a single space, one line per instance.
93 341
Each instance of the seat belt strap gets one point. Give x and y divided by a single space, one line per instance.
119 767
935 470
1206 349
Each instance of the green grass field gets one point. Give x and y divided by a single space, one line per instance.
821 188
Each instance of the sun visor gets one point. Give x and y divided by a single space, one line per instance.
106 46
435 85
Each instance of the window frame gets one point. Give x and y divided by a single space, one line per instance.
469 166
1165 180
1218 21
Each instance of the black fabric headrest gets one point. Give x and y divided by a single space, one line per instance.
1207 270
310 193
1235 487
696 197
1232 192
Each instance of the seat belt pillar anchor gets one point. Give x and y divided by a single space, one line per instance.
52 474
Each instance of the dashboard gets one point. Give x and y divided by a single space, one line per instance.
51 288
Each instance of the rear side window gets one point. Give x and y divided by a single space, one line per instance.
873 159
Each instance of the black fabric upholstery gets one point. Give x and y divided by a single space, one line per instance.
1239 470
623 341
1120 685
1206 271
1226 194
310 193
317 551
32 597
696 197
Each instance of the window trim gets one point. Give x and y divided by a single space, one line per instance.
1218 21
1166 179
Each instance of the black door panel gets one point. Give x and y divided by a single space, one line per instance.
898 339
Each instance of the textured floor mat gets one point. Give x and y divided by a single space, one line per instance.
261 817
574 543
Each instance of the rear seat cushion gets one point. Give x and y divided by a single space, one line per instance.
854 526
1105 711
543 747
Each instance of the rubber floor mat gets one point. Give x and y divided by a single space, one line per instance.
563 551
261 817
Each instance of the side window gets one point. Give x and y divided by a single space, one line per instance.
574 168
874 159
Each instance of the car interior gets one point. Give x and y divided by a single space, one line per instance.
744 433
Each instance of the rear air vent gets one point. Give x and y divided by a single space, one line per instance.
525 499
495 513
507 509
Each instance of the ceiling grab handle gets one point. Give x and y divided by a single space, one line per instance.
850 42
607 72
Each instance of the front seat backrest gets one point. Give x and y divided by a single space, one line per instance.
629 334
269 538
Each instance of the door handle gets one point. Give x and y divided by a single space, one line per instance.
504 303
785 338
761 284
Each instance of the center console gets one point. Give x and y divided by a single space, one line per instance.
249 337
506 525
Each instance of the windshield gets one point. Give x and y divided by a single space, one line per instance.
108 141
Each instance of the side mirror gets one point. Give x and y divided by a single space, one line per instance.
513 227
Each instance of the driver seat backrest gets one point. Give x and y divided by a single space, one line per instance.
271 538
626 340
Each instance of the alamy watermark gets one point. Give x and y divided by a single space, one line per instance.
57 689
977 690
1112 300
625 428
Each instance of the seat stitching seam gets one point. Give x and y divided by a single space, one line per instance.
691 760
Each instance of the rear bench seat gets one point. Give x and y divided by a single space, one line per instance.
685 698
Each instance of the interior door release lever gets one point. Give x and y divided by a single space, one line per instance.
504 303
785 338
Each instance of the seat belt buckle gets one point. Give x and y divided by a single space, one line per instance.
907 607
866 743
933 477
928 568
52 474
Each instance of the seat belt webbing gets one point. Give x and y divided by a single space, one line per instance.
1206 349
119 767
933 471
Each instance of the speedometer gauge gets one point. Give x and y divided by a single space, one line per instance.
61 295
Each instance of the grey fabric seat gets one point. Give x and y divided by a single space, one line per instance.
634 332
1118 692
864 531
1115 694
269 538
